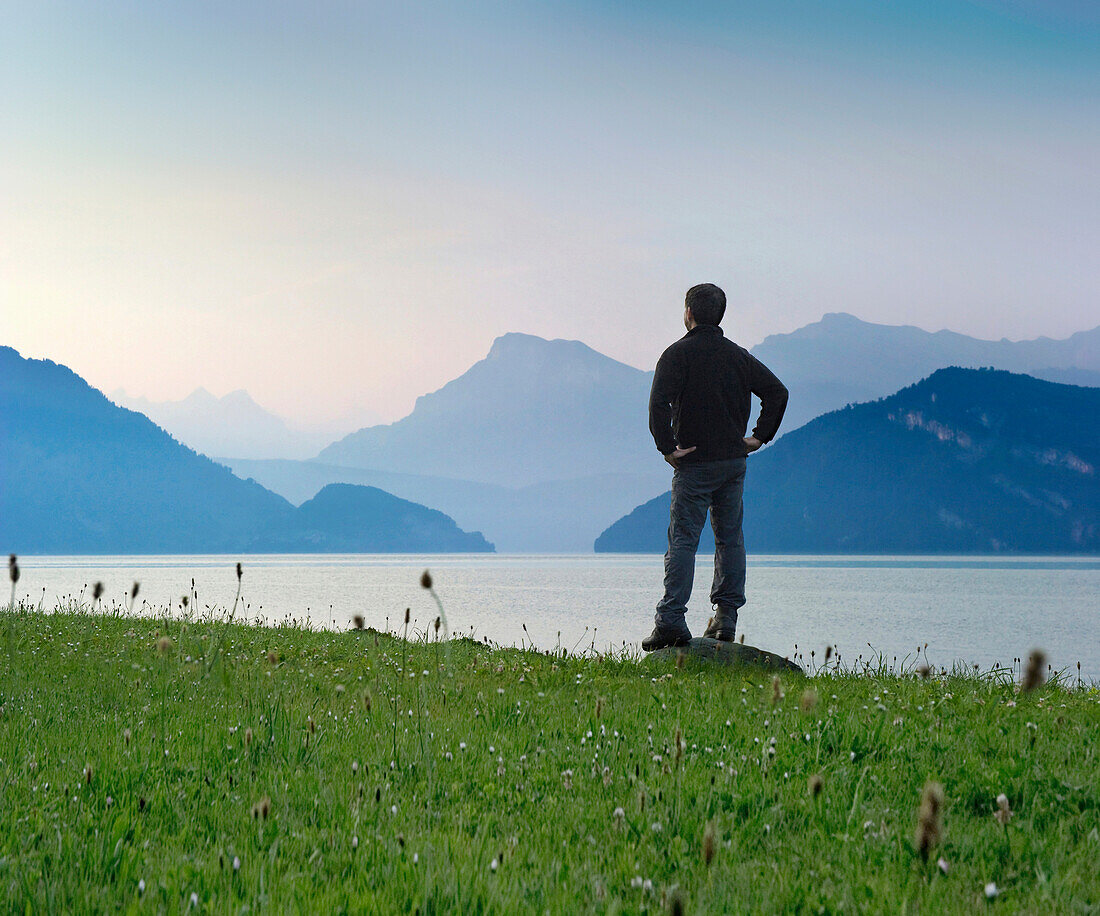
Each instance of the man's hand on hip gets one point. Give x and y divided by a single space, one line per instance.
752 444
674 457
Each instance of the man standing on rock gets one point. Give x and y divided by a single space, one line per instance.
698 413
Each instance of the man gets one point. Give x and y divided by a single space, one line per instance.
698 413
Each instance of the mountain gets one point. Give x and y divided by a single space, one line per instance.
232 425
532 411
561 516
343 518
966 461
544 443
79 474
843 360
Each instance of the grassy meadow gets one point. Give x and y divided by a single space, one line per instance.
167 765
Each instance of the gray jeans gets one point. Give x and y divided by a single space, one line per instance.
714 485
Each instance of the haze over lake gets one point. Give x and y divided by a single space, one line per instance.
971 610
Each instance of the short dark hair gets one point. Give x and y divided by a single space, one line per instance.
707 303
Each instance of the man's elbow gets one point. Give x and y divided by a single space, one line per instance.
775 397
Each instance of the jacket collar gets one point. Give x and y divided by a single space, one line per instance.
700 329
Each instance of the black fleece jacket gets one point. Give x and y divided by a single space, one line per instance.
700 397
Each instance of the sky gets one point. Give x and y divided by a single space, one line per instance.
339 205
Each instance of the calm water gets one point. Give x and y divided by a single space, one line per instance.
971 610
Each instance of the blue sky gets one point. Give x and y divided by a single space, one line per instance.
339 205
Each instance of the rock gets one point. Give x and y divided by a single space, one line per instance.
733 654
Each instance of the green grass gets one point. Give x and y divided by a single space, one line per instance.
460 777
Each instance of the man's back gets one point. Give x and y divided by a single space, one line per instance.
701 396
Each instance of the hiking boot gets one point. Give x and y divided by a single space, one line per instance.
722 625
662 638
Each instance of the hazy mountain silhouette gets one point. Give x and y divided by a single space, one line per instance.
532 411
966 461
842 360
562 516
344 518
79 474
545 442
234 425
538 410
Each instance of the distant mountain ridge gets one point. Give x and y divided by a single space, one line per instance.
965 461
544 443
233 425
532 411
561 516
79 474
843 360
520 415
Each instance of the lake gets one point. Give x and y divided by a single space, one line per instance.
970 610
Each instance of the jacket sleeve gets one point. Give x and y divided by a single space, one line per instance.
668 383
773 399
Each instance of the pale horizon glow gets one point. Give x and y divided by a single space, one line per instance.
338 208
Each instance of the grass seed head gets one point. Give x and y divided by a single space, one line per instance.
365 697
815 784
808 700
88 773
97 591
710 844
438 623
407 616
134 589
164 645
272 658
357 621
426 579
1003 814
1033 674
13 568
247 736
240 572
828 653
126 735
929 819
777 690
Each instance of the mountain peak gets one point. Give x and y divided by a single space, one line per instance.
516 344
513 419
841 318
241 397
199 396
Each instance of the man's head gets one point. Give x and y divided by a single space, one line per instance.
704 304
